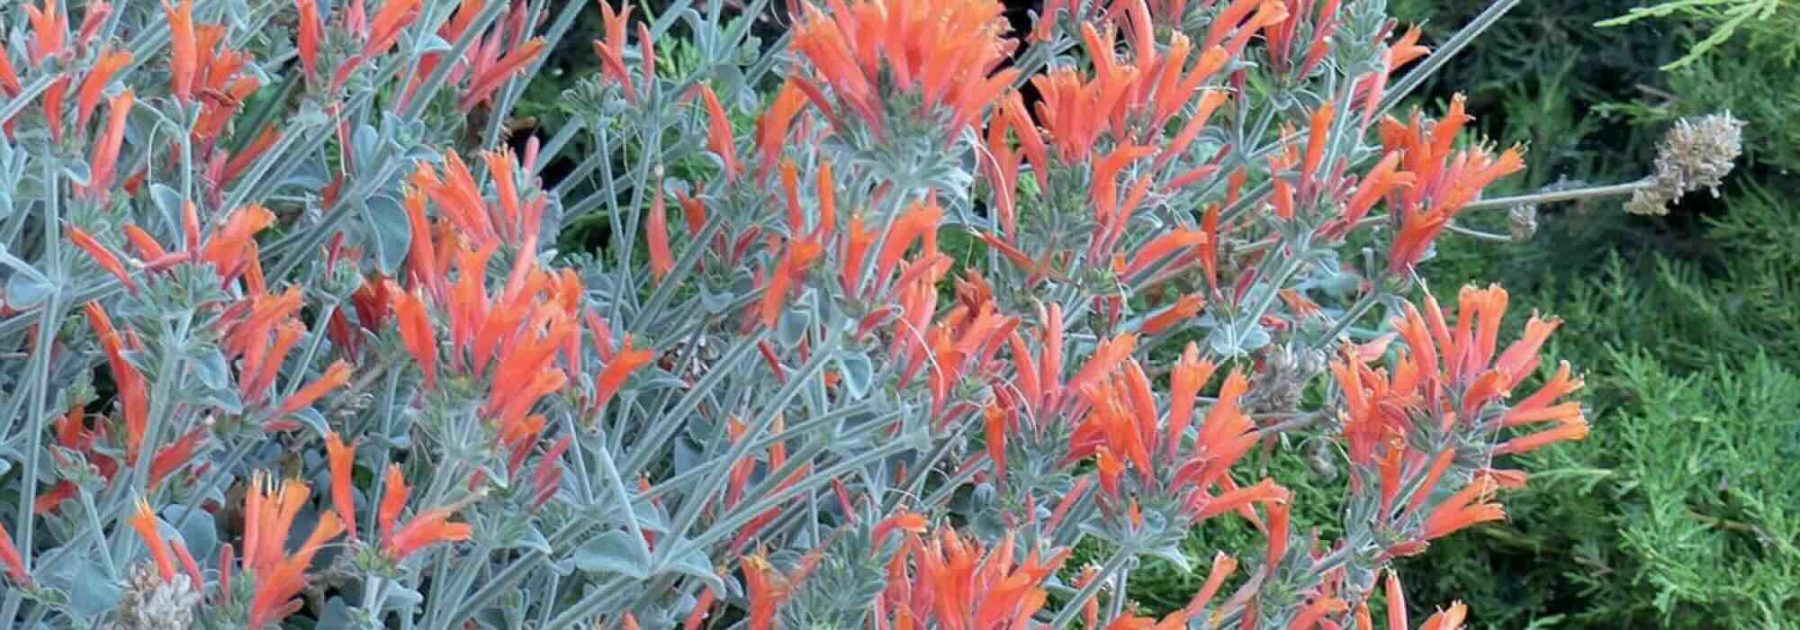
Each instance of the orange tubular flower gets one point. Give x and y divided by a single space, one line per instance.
958 584
1446 180
415 333
337 375
172 457
342 457
1265 491
702 609
144 522
517 218
1190 375
1181 311
184 55
1378 183
49 29
133 395
490 76
105 158
766 589
1468 507
14 564
1537 408
772 127
1396 597
100 255
384 30
792 268
1163 246
88 95
9 76
656 235
1401 52
618 369
426 528
611 47
1227 433
718 131
310 32
219 79
269 512
918 224
231 249
421 256
947 51
1448 619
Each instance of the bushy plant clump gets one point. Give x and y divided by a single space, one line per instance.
1693 301
865 337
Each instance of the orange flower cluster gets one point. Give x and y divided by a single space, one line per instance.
948 581
427 527
610 48
1284 45
520 328
258 333
72 433
1457 378
203 69
774 458
1447 619
767 587
501 53
50 38
94 444
946 53
1122 430
280 575
1444 179
963 340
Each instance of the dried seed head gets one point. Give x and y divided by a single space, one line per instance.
1322 460
1697 153
151 604
1279 387
1522 221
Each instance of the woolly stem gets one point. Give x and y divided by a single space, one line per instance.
1594 192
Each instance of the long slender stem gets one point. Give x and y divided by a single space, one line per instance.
1436 61
1594 192
1113 565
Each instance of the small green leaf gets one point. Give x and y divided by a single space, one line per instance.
198 529
77 172
210 367
91 592
857 371
23 292
1235 339
401 599
696 564
390 231
613 552
167 201
522 535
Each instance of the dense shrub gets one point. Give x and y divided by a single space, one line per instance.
1697 302
854 336
1680 519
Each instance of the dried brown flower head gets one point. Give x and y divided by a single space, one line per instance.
1697 153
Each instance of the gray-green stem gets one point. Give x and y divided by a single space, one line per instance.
1577 194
